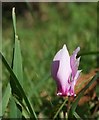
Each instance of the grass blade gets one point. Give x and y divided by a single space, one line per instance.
15 79
17 68
14 20
13 108
74 105
5 98
17 63
77 116
89 53
59 109
25 112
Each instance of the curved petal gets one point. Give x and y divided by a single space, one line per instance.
77 76
54 69
55 64
74 62
64 69
71 91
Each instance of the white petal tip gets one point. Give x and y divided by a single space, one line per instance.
78 48
68 94
64 46
80 71
59 93
78 59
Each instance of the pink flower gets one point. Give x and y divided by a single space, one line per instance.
65 71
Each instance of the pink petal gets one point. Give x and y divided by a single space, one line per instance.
65 71
61 69
74 62
77 76
71 91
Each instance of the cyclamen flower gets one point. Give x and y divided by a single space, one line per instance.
65 71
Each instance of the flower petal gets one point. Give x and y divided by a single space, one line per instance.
64 68
65 71
71 91
74 62
61 69
54 69
77 76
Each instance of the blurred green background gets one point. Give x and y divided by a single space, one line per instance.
43 28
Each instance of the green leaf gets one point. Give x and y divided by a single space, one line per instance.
89 53
75 103
5 98
13 102
97 90
25 112
60 109
17 63
77 116
14 20
13 108
83 110
17 69
15 79
17 57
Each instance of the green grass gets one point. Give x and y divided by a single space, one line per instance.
41 37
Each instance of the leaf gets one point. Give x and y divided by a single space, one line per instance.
17 63
14 20
17 69
97 88
83 110
17 57
25 112
59 109
89 53
75 103
13 108
89 94
17 75
77 116
19 87
5 98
